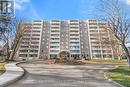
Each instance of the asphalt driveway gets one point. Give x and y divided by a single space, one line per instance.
39 74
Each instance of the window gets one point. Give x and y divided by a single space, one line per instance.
33 55
23 50
34 42
34 51
96 51
54 38
34 46
23 55
36 31
24 46
35 38
54 50
54 46
35 34
74 51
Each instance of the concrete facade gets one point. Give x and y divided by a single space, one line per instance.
81 38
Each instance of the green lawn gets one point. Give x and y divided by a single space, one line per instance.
107 61
120 75
2 68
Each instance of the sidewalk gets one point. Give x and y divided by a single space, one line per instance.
13 73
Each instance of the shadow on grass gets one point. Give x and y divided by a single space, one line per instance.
120 75
122 70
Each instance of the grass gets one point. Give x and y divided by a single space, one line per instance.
2 68
107 61
120 75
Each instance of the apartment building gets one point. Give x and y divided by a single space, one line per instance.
31 41
81 38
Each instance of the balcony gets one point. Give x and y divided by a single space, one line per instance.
55 45
54 40
75 26
55 48
55 26
75 37
74 45
74 41
74 29
74 33
23 52
55 37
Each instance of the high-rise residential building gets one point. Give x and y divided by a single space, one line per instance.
31 41
81 38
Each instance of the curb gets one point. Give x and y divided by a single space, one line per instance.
110 80
12 74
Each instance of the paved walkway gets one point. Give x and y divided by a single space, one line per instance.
12 74
42 75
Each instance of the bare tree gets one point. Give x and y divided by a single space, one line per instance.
10 34
19 33
118 22
117 53
6 32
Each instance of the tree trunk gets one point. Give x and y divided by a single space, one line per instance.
127 54
15 49
12 55
8 53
